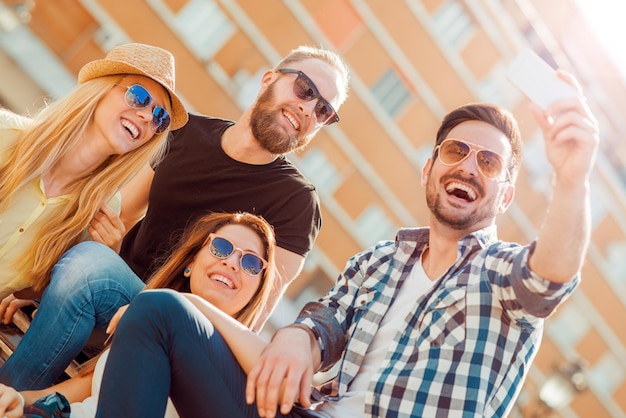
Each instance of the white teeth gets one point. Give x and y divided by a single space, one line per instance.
292 120
222 279
470 192
134 132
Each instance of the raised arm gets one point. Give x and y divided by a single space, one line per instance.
571 141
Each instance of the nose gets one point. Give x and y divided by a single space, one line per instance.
146 113
470 163
233 260
308 107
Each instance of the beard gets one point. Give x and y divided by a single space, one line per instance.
460 221
265 129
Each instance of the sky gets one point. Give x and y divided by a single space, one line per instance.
607 19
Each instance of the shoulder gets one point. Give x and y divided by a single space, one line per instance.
10 120
11 126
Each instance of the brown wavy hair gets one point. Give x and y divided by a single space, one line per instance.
170 275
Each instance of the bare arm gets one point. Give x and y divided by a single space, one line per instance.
289 265
571 139
135 197
76 389
244 343
108 228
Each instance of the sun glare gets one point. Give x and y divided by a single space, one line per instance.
606 17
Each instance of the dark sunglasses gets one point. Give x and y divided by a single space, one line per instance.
222 248
305 89
138 97
454 151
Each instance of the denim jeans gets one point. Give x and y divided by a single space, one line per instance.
164 346
88 285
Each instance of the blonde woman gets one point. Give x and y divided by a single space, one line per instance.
64 166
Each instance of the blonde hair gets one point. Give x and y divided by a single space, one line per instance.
170 275
39 147
334 60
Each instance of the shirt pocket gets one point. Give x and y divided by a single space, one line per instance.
445 319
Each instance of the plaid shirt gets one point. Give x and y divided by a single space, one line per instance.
465 347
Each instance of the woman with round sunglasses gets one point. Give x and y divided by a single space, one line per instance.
222 271
63 167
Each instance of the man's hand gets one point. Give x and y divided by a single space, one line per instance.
571 136
284 373
107 228
10 305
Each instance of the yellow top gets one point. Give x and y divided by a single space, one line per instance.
28 211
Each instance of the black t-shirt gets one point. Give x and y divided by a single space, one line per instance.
197 177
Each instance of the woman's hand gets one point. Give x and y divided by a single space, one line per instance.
115 320
10 305
11 402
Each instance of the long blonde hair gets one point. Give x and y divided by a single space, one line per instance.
170 275
54 130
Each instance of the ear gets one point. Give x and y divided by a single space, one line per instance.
267 78
426 171
187 270
507 198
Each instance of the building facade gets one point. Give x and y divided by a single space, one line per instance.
411 62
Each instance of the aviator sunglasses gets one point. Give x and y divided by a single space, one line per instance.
222 248
138 97
305 89
454 151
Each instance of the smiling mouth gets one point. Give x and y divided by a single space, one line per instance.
225 280
461 191
292 120
132 129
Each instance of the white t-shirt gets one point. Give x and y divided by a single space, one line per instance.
352 403
87 408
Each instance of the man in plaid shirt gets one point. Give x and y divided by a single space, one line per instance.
445 320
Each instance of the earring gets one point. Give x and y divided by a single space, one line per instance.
187 272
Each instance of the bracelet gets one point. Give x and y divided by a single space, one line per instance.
19 395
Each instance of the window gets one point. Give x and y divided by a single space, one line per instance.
318 168
569 327
204 27
607 374
453 26
391 93
373 225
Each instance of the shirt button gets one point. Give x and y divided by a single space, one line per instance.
21 230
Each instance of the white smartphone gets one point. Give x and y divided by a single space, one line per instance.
538 80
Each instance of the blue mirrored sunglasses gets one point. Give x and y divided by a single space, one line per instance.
250 263
138 97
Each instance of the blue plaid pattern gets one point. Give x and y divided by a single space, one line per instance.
467 344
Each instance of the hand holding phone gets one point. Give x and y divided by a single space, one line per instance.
538 80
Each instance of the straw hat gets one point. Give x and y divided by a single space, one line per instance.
150 61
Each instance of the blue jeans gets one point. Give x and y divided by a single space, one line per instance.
88 285
164 346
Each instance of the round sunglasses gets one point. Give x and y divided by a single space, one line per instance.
454 151
222 248
304 89
138 97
